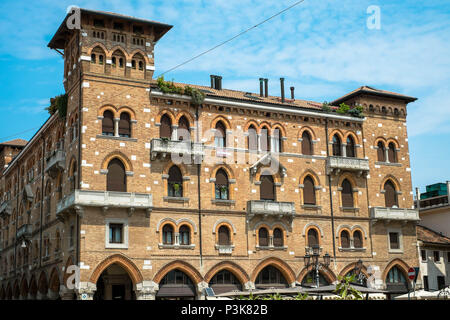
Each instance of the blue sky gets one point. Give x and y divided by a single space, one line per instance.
323 48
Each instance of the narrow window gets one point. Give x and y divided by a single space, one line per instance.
263 237
100 59
350 147
437 257
165 130
306 143
175 182
277 237
141 65
337 150
220 135
133 64
221 185
116 177
224 236
394 240
390 195
120 62
423 255
392 153
183 131
113 62
167 234
93 58
267 188
185 235
425 283
108 123
252 139
125 125
313 239
277 141
347 194
265 139
357 239
345 239
381 152
441 282
115 233
309 194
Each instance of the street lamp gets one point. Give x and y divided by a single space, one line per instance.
360 277
312 259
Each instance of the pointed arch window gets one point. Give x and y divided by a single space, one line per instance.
381 152
252 139
175 182
277 141
307 148
357 239
309 194
165 130
220 135
116 177
277 237
263 237
392 153
267 188
270 277
265 139
337 150
345 239
347 194
183 131
108 123
224 236
125 125
167 234
350 147
390 195
222 185
185 235
313 237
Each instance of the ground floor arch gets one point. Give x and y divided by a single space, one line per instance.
114 283
176 285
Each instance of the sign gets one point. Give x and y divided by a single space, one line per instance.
411 274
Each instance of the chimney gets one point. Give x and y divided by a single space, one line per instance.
292 93
266 88
212 81
219 83
261 93
282 89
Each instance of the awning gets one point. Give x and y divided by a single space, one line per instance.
175 291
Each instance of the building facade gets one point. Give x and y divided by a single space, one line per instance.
152 196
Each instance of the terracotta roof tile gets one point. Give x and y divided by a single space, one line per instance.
427 235
15 142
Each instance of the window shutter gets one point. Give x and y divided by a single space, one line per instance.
347 194
183 129
392 153
336 146
165 130
277 237
357 239
306 143
124 125
224 236
350 148
263 237
252 139
116 178
267 188
345 239
381 152
312 238
309 195
390 195
108 123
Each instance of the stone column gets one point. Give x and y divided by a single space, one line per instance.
174 133
146 290
86 291
249 286
386 154
344 149
116 127
201 290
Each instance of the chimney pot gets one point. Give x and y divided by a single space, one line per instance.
261 90
282 89
292 93
266 87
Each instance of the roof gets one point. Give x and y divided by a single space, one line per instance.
15 143
427 235
58 40
373 91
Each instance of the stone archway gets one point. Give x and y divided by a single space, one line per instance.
42 288
326 276
24 289
54 285
33 289
279 264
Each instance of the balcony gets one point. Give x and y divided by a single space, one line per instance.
270 208
336 164
24 232
105 199
164 147
394 214
225 249
5 209
56 160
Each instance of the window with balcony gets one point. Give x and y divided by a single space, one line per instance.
350 147
267 188
224 236
116 177
307 147
165 130
108 123
222 185
175 182
263 237
390 195
309 193
183 130
347 194
125 125
168 236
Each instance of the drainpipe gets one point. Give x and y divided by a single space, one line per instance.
42 201
331 197
80 121
199 168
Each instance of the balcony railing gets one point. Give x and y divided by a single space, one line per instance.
165 147
24 232
396 214
270 208
56 160
90 198
5 208
335 164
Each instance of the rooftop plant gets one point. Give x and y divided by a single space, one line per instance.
168 87
58 103
344 109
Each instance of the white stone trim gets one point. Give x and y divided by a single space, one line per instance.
123 245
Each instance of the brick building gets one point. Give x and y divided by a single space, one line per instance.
154 196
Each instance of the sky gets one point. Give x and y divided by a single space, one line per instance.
324 49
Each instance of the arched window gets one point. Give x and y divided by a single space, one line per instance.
345 239
277 237
392 153
270 277
307 148
390 195
73 176
220 135
263 237
313 237
133 64
185 235
125 125
48 197
100 59
350 147
108 123
221 185
224 236
381 152
265 139
396 280
347 194
114 62
277 141
267 188
121 62
167 234
116 177
93 58
252 139
224 281
357 239
165 130
141 65
175 182
337 150
183 131
309 194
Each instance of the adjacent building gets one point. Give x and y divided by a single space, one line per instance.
153 195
